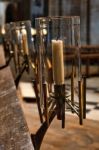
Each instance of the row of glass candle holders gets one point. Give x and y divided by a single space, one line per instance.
46 49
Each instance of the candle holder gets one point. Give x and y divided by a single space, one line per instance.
26 55
18 42
23 38
59 92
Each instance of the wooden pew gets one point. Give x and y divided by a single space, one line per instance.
89 58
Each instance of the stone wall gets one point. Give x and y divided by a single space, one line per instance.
94 22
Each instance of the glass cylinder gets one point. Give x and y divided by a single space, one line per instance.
58 43
7 41
21 35
22 43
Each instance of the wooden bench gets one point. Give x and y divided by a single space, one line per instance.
89 58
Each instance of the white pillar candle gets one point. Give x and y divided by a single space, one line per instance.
57 61
25 42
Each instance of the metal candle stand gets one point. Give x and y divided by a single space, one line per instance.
24 66
54 101
56 105
13 47
58 101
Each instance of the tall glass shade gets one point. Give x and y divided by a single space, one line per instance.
21 34
22 42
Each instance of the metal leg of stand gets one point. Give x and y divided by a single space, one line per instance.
84 97
38 100
46 103
20 75
38 137
72 88
80 103
63 114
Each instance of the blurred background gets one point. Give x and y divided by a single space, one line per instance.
88 10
